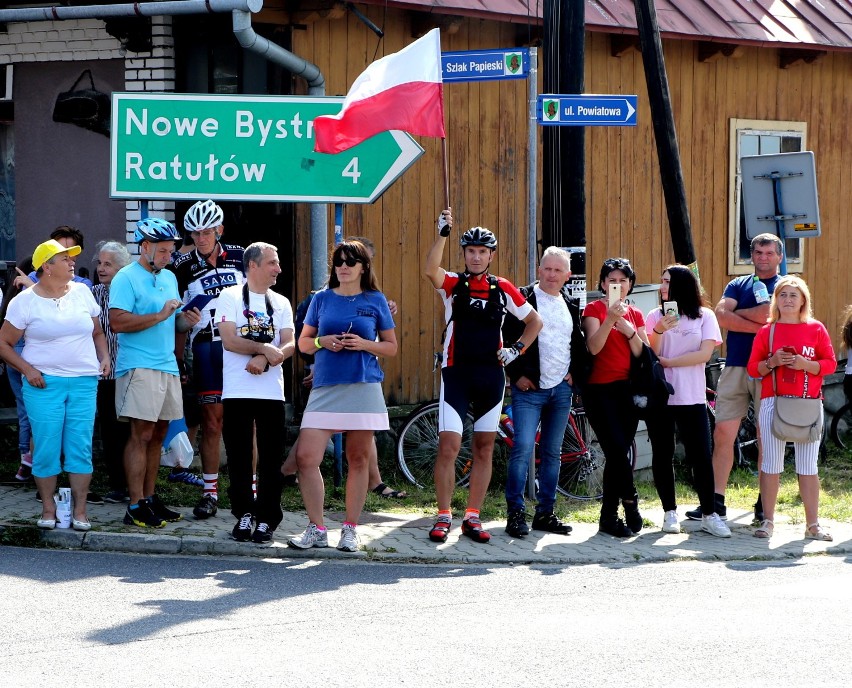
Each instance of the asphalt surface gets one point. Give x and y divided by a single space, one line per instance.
404 538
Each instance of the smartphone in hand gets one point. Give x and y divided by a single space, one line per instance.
788 374
670 308
614 295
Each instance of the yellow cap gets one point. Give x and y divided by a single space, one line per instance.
44 252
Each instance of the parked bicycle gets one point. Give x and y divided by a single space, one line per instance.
841 426
582 460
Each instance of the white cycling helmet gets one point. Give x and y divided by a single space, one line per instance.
203 215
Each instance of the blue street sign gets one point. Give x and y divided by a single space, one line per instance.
485 65
586 110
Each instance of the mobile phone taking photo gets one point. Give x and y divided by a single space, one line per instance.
614 294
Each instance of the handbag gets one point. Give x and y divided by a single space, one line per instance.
85 107
795 419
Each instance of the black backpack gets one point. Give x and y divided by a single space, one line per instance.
648 384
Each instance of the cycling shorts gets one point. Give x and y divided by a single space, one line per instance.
207 371
479 389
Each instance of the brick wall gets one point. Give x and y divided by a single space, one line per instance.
87 39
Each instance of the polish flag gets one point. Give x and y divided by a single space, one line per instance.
401 91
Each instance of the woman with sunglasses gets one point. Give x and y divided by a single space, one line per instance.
615 332
347 327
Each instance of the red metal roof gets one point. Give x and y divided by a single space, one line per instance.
815 24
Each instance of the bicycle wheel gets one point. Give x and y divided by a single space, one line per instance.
841 427
582 465
746 443
417 447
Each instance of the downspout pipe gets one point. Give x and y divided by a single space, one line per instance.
131 9
249 40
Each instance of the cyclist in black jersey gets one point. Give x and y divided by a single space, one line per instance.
205 271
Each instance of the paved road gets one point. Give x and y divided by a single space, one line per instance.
90 619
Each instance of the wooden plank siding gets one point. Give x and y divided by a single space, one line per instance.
487 128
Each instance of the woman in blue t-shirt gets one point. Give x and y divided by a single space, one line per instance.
347 327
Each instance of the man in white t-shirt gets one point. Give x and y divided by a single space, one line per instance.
256 326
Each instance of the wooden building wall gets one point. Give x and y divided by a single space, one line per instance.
487 129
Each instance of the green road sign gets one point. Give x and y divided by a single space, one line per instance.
252 148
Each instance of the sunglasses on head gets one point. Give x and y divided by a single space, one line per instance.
350 262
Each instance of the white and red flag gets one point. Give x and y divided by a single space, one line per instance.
401 91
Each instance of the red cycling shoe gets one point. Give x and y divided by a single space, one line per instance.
472 528
441 529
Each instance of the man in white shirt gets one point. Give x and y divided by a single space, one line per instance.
542 392
256 326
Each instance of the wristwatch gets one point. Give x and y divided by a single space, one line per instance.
519 345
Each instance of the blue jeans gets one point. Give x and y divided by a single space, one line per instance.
16 383
551 407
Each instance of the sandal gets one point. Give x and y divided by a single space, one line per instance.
814 531
765 529
393 494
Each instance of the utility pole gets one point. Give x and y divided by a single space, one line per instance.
564 172
671 172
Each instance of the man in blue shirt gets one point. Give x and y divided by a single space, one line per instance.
740 314
143 302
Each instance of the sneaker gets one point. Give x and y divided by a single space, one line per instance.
116 497
696 514
262 534
207 506
162 511
312 537
516 524
670 522
472 528
142 516
94 498
348 539
441 529
714 525
242 531
24 474
186 477
613 525
547 521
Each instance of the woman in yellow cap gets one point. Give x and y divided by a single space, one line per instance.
65 351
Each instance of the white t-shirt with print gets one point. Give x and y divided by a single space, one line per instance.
237 383
57 332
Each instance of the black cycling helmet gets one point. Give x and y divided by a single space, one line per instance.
479 236
155 230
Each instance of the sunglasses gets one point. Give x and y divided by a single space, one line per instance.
350 262
617 263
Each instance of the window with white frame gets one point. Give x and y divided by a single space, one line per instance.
758 137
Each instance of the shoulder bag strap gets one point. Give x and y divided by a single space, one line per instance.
771 337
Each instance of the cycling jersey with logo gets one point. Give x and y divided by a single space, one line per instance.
474 308
197 276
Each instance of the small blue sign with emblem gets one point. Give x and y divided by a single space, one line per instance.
586 110
485 65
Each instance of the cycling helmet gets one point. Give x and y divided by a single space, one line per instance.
203 215
479 236
155 229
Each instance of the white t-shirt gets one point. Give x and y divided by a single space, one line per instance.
554 340
57 332
237 383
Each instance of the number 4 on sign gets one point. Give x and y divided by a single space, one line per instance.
352 170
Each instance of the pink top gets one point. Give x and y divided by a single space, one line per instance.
690 386
810 340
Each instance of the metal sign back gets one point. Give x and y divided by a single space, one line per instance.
796 204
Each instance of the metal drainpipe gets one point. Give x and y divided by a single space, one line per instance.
241 15
298 66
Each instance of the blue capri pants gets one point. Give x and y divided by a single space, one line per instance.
62 417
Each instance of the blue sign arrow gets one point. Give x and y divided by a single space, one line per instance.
485 65
586 110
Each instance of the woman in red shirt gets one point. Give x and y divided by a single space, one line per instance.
803 355
614 331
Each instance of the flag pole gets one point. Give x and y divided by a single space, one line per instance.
446 172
